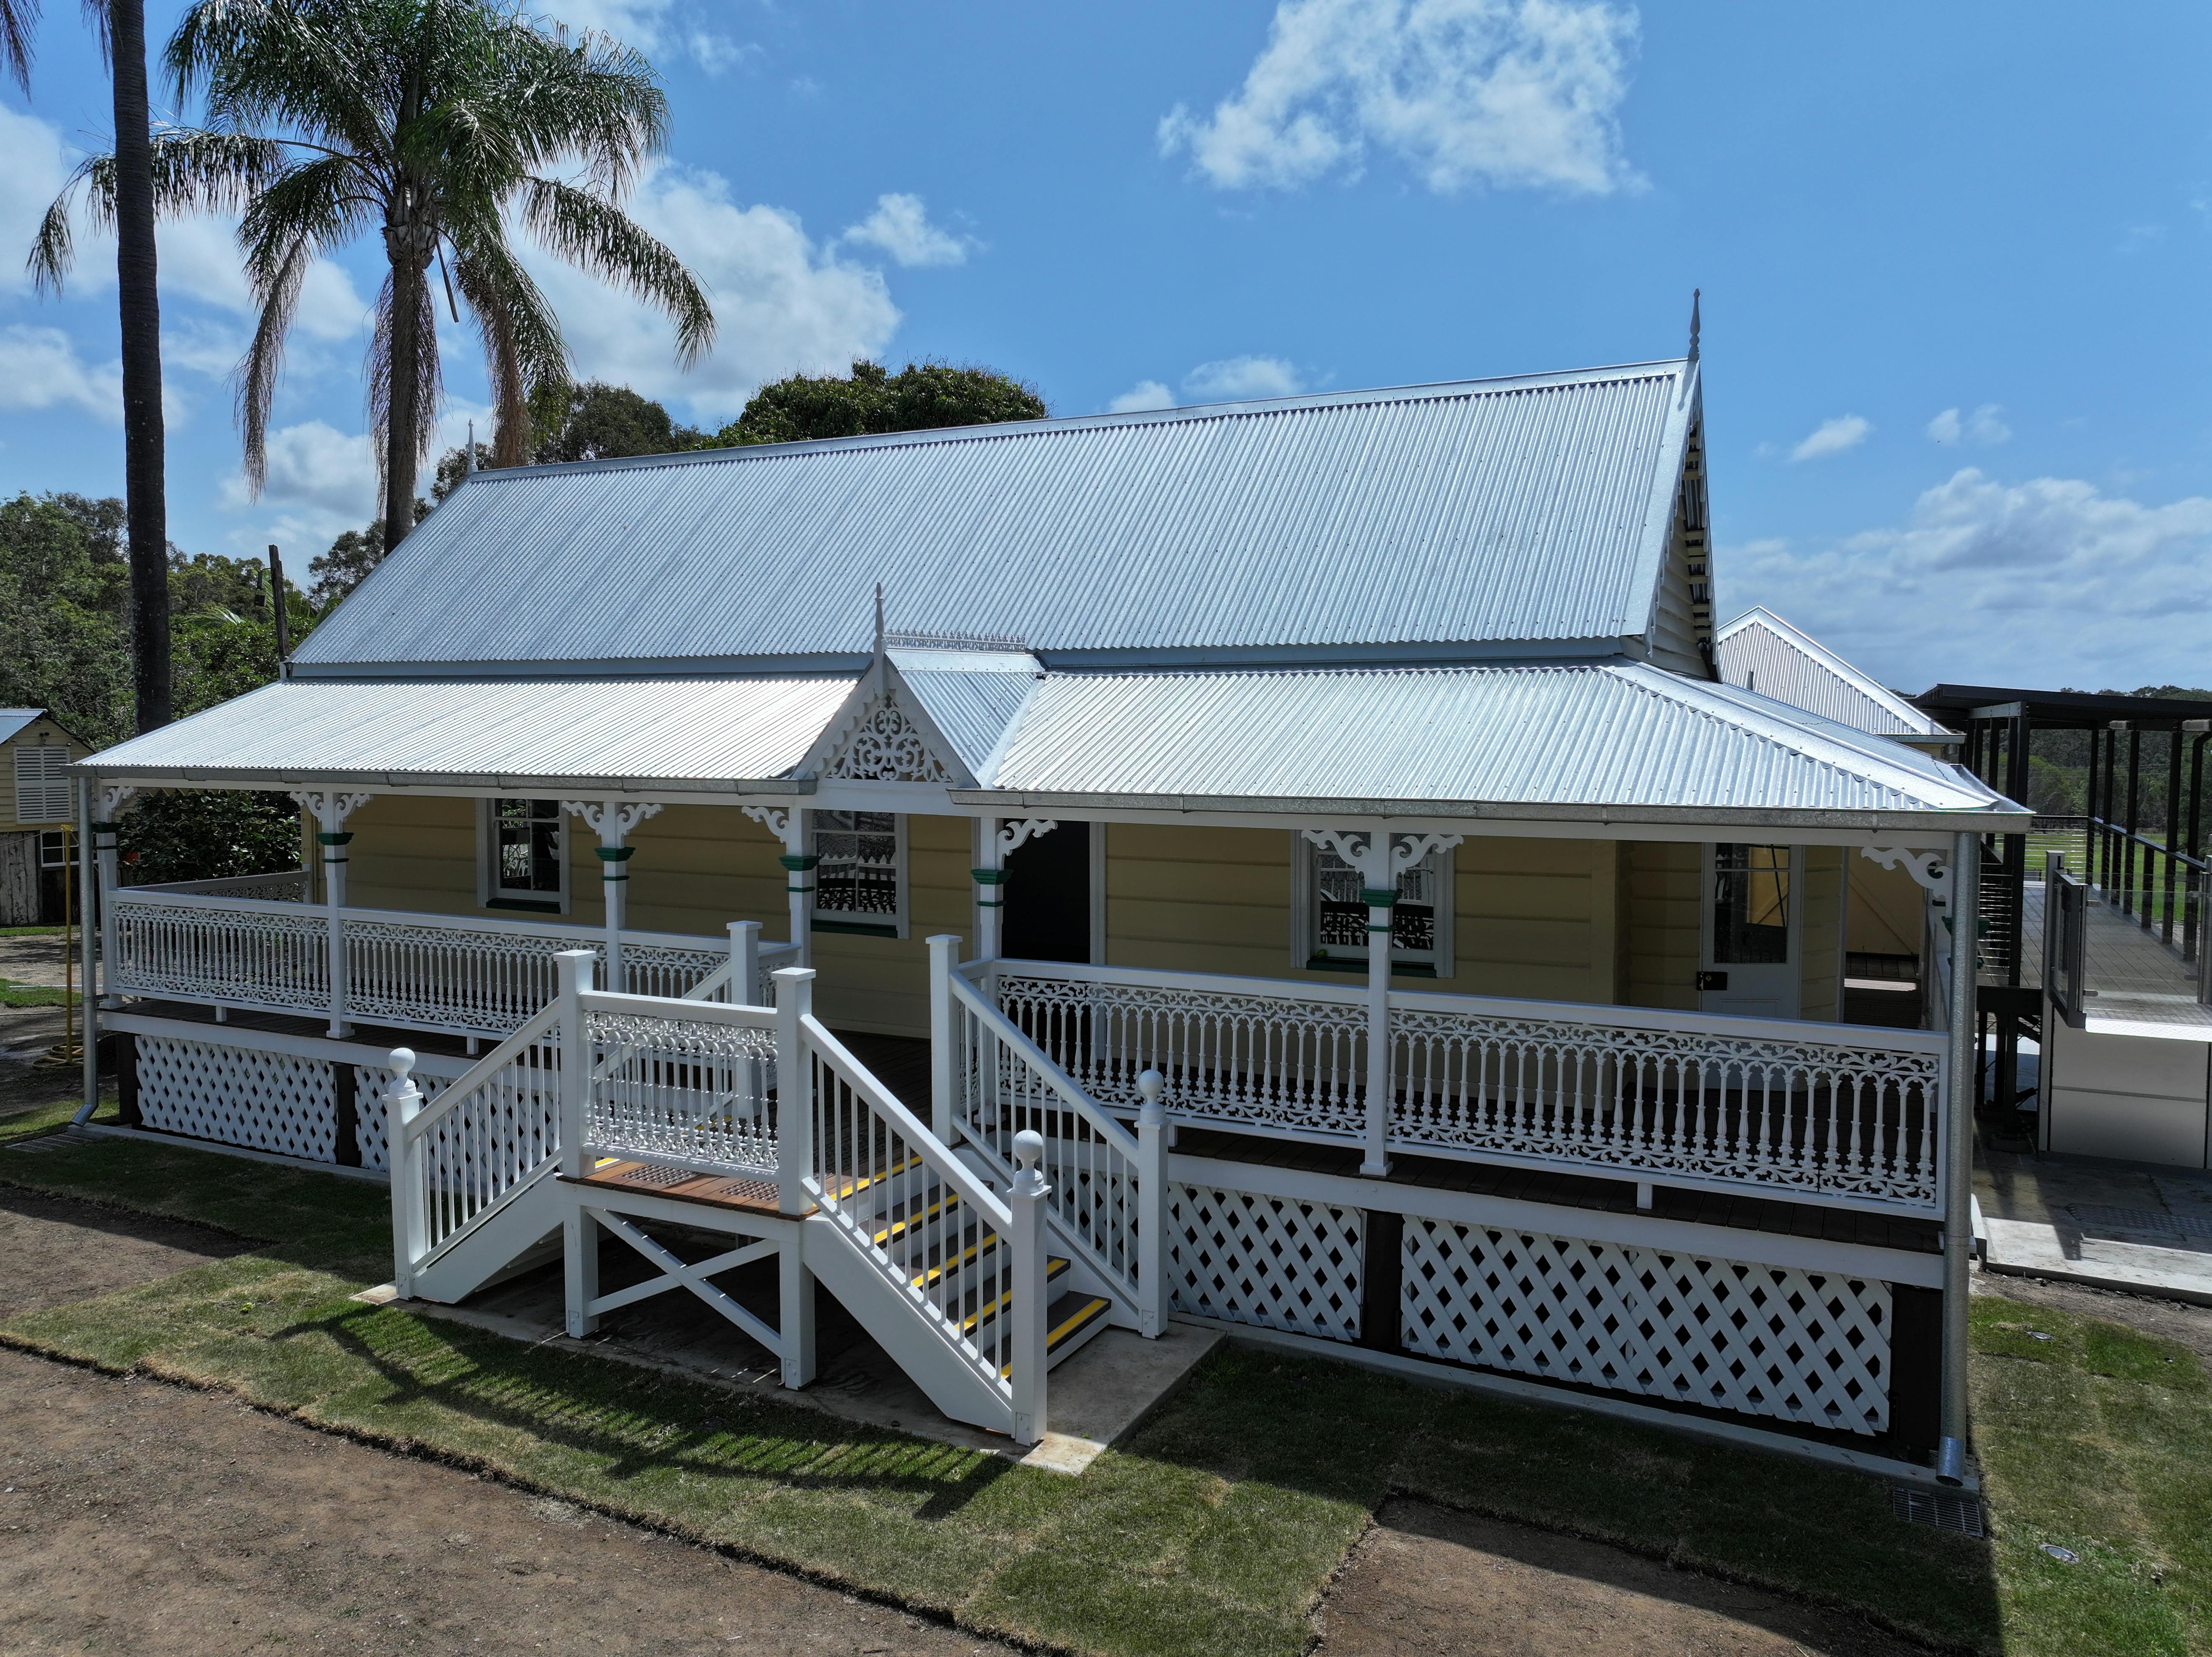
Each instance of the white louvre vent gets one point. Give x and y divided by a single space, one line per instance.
42 783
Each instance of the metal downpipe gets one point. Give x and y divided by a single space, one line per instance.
1959 1151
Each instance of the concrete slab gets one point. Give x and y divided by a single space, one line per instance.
1095 1399
2131 1261
2135 1229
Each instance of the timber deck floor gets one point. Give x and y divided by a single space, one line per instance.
2132 972
713 1189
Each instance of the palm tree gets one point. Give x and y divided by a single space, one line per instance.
436 123
129 210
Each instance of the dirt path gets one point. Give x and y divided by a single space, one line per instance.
56 1250
1426 1583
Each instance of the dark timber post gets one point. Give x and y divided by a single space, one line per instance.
2172 831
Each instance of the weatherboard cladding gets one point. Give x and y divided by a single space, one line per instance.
1480 512
681 729
1761 650
1617 734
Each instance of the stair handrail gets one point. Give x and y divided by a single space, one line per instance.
1143 1280
1019 1331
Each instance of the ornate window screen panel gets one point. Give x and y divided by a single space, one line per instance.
1336 930
275 1101
1272 1261
525 851
1763 1341
859 878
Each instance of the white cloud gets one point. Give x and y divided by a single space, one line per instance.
316 466
2047 582
1244 377
901 228
1145 394
1833 437
1985 427
783 304
1466 92
717 53
39 369
34 176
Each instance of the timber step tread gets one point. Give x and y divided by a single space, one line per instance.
992 1296
1066 1322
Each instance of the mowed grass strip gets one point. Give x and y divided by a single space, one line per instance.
1216 1528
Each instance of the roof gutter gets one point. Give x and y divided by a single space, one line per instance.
377 782
1982 821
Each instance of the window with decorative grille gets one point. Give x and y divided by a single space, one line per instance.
526 852
1337 919
42 783
860 882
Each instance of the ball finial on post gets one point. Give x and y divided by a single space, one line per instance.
1151 1084
1029 1158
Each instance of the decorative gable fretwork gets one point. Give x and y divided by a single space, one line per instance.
884 745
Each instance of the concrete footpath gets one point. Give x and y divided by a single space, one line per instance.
2130 1226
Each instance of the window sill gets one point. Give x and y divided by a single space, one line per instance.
529 906
855 928
1324 964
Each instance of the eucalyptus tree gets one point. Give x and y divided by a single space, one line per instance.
438 126
127 209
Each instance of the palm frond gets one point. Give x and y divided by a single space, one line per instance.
194 171
524 352
597 236
279 292
17 18
429 381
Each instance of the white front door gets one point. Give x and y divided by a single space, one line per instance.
1747 963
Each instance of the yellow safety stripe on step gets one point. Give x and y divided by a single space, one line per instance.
929 1276
1054 1336
905 1222
1053 1267
854 1187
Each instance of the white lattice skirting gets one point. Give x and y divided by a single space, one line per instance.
1272 1261
275 1101
370 1083
1762 1340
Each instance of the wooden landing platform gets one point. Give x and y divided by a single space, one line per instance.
753 1196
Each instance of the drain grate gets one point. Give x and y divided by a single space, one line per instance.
2143 1219
646 1173
1942 1511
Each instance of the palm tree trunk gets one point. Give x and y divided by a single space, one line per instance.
399 440
144 438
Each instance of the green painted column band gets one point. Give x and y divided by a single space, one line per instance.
616 853
106 828
799 888
1378 897
798 864
989 876
989 903
335 840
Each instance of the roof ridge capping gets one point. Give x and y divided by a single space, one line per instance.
1429 391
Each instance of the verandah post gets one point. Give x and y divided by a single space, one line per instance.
794 1088
403 1102
1959 1151
330 808
1154 1291
1025 1197
104 827
990 874
1380 902
943 1107
613 821
574 970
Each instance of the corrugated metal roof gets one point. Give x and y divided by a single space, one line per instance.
1762 652
1620 734
718 731
1482 511
972 696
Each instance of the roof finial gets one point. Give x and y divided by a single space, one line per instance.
1694 322
880 618
468 466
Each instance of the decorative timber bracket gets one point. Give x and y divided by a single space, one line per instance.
1013 835
782 820
612 820
1930 871
329 808
1379 859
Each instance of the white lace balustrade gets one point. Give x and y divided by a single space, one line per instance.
684 1092
270 956
420 976
1841 1118
287 886
667 971
1279 1062
1089 1160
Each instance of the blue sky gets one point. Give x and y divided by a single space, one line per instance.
1954 260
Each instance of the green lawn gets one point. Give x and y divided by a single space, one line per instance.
1215 1530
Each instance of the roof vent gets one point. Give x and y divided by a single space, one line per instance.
995 642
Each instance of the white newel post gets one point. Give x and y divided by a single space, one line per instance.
1380 858
112 801
402 1157
329 810
794 1088
790 825
1959 1102
574 970
744 962
1154 1291
611 821
943 1107
1025 1197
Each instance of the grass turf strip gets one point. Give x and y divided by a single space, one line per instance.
1216 1529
